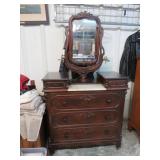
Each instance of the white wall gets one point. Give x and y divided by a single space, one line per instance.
42 46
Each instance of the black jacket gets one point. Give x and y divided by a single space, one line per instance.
129 56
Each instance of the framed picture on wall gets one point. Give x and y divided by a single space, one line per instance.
34 14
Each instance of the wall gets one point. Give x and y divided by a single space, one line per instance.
42 47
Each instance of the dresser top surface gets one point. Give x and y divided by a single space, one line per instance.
111 75
56 76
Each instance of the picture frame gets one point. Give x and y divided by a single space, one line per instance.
34 14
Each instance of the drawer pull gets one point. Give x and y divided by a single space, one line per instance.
106 131
88 98
107 117
65 119
108 101
64 103
88 133
66 135
90 115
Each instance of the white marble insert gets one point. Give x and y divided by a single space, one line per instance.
86 87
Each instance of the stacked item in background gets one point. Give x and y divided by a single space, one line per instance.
31 114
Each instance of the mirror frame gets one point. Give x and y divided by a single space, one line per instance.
83 68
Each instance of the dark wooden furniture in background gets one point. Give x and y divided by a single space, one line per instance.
84 118
134 117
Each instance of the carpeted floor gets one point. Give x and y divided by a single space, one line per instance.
130 147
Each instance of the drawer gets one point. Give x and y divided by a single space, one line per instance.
116 83
85 117
113 80
87 101
85 133
55 84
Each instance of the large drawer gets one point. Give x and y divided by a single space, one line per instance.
85 117
87 101
85 133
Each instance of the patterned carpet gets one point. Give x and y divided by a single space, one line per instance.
130 147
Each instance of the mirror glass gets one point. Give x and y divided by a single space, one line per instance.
84 34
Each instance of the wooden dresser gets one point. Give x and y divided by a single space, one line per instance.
84 115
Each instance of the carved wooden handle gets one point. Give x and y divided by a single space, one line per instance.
88 98
66 135
107 118
89 115
88 133
108 101
65 119
106 131
64 103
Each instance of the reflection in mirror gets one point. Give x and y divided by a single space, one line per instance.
84 34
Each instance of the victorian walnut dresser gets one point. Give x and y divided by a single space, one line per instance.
84 115
84 109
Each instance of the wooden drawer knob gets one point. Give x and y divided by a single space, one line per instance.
88 133
108 101
88 98
65 119
64 103
106 131
66 135
107 117
90 115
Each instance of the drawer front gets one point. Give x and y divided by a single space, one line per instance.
83 117
87 101
55 85
85 133
116 84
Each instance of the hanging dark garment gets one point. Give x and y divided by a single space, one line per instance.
129 57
